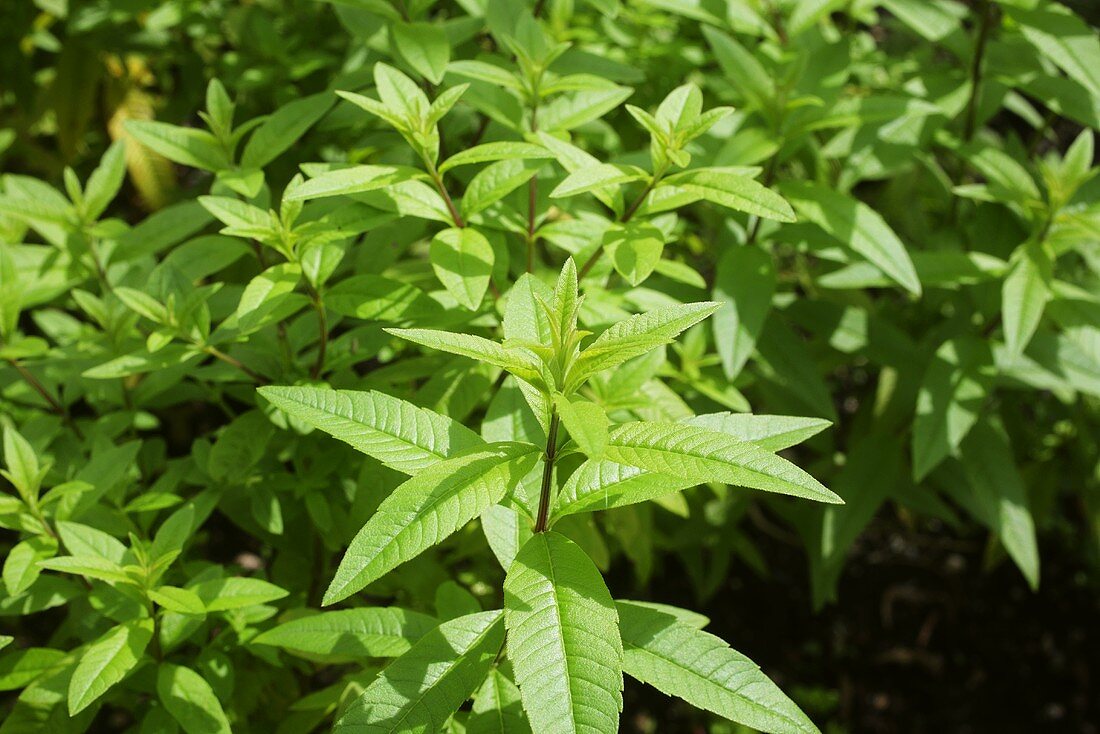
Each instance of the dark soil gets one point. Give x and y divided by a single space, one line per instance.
923 639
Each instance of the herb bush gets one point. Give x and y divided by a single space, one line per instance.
347 347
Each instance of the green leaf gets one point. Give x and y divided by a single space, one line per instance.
605 485
190 700
424 46
734 191
635 336
1001 495
497 708
175 599
705 455
934 20
23 469
90 543
263 298
374 298
506 531
680 108
856 226
574 160
595 177
954 388
426 509
141 362
519 362
186 145
379 632
21 567
420 690
89 566
1024 295
497 180
1063 38
635 249
240 218
563 638
220 595
463 261
399 434
354 180
571 110
400 94
742 69
18 668
679 660
745 283
107 661
283 128
769 432
586 422
496 151
105 181
484 72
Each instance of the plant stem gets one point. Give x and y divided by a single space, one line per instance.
626 217
54 403
972 104
532 195
547 473
970 122
438 180
219 354
322 326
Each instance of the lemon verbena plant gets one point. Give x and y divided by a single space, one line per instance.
439 366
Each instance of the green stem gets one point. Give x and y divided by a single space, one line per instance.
532 195
322 326
972 104
626 217
547 474
437 179
219 354
54 403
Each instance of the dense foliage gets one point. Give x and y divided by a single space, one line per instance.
433 314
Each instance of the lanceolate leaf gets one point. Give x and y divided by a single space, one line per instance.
377 632
744 283
563 638
421 689
107 661
769 432
516 361
235 592
734 191
424 46
190 700
682 661
1024 295
497 708
463 261
857 226
354 180
603 485
426 509
952 393
637 335
705 455
399 434
189 146
1001 495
